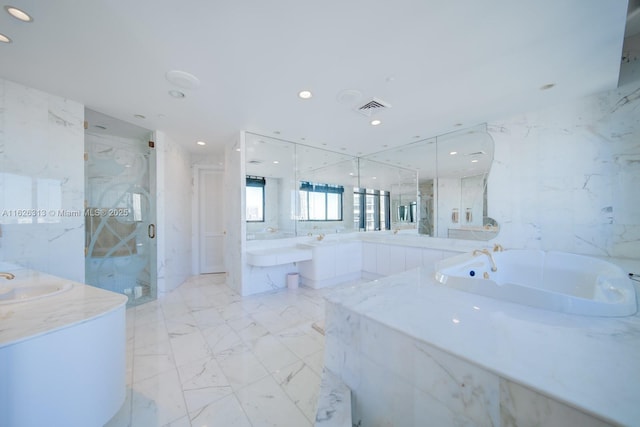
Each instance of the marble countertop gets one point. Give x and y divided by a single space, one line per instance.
591 363
21 321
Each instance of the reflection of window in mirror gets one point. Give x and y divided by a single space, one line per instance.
320 202
255 198
371 209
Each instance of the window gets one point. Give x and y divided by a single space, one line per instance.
255 198
371 209
320 202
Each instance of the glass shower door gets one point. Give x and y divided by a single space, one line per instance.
120 252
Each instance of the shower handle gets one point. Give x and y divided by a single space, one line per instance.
152 231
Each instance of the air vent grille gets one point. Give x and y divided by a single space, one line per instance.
372 106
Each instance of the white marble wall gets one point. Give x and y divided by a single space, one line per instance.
235 226
174 195
566 177
41 168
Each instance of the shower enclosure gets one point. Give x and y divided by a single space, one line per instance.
120 247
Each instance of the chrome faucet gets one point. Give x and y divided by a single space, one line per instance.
8 276
497 247
487 253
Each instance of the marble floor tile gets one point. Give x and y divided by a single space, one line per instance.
158 400
302 340
190 347
241 366
302 385
272 352
225 412
202 355
152 360
266 404
203 383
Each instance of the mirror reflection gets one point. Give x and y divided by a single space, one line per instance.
464 160
294 190
270 169
435 187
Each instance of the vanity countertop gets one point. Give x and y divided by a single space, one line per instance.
590 363
20 321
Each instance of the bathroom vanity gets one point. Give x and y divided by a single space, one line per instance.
62 351
411 350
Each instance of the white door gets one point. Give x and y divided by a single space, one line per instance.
211 235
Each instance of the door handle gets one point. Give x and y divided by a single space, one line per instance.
152 231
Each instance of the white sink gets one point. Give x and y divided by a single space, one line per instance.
15 294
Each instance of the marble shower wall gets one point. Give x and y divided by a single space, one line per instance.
41 181
565 178
174 194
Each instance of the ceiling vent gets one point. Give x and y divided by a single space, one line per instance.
372 106
255 162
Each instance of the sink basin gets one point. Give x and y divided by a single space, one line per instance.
15 294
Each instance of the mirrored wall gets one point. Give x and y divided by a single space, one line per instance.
295 190
432 187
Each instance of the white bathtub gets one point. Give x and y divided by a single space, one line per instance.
555 281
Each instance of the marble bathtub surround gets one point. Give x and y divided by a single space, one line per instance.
462 359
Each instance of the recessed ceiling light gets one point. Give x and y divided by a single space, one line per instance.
474 161
201 143
305 94
375 122
176 94
4 39
453 153
275 162
237 149
18 14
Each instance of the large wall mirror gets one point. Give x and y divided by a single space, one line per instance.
435 187
294 190
464 160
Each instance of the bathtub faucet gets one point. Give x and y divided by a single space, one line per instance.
494 268
7 276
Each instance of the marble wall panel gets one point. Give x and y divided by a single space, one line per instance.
41 176
564 177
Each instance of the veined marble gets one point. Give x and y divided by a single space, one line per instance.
22 321
565 177
42 176
462 359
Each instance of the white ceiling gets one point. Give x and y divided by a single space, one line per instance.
441 65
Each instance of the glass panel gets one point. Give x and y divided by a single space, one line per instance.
255 203
120 215
317 207
334 207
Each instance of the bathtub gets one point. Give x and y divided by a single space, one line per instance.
556 281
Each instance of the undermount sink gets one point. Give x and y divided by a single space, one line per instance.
15 294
